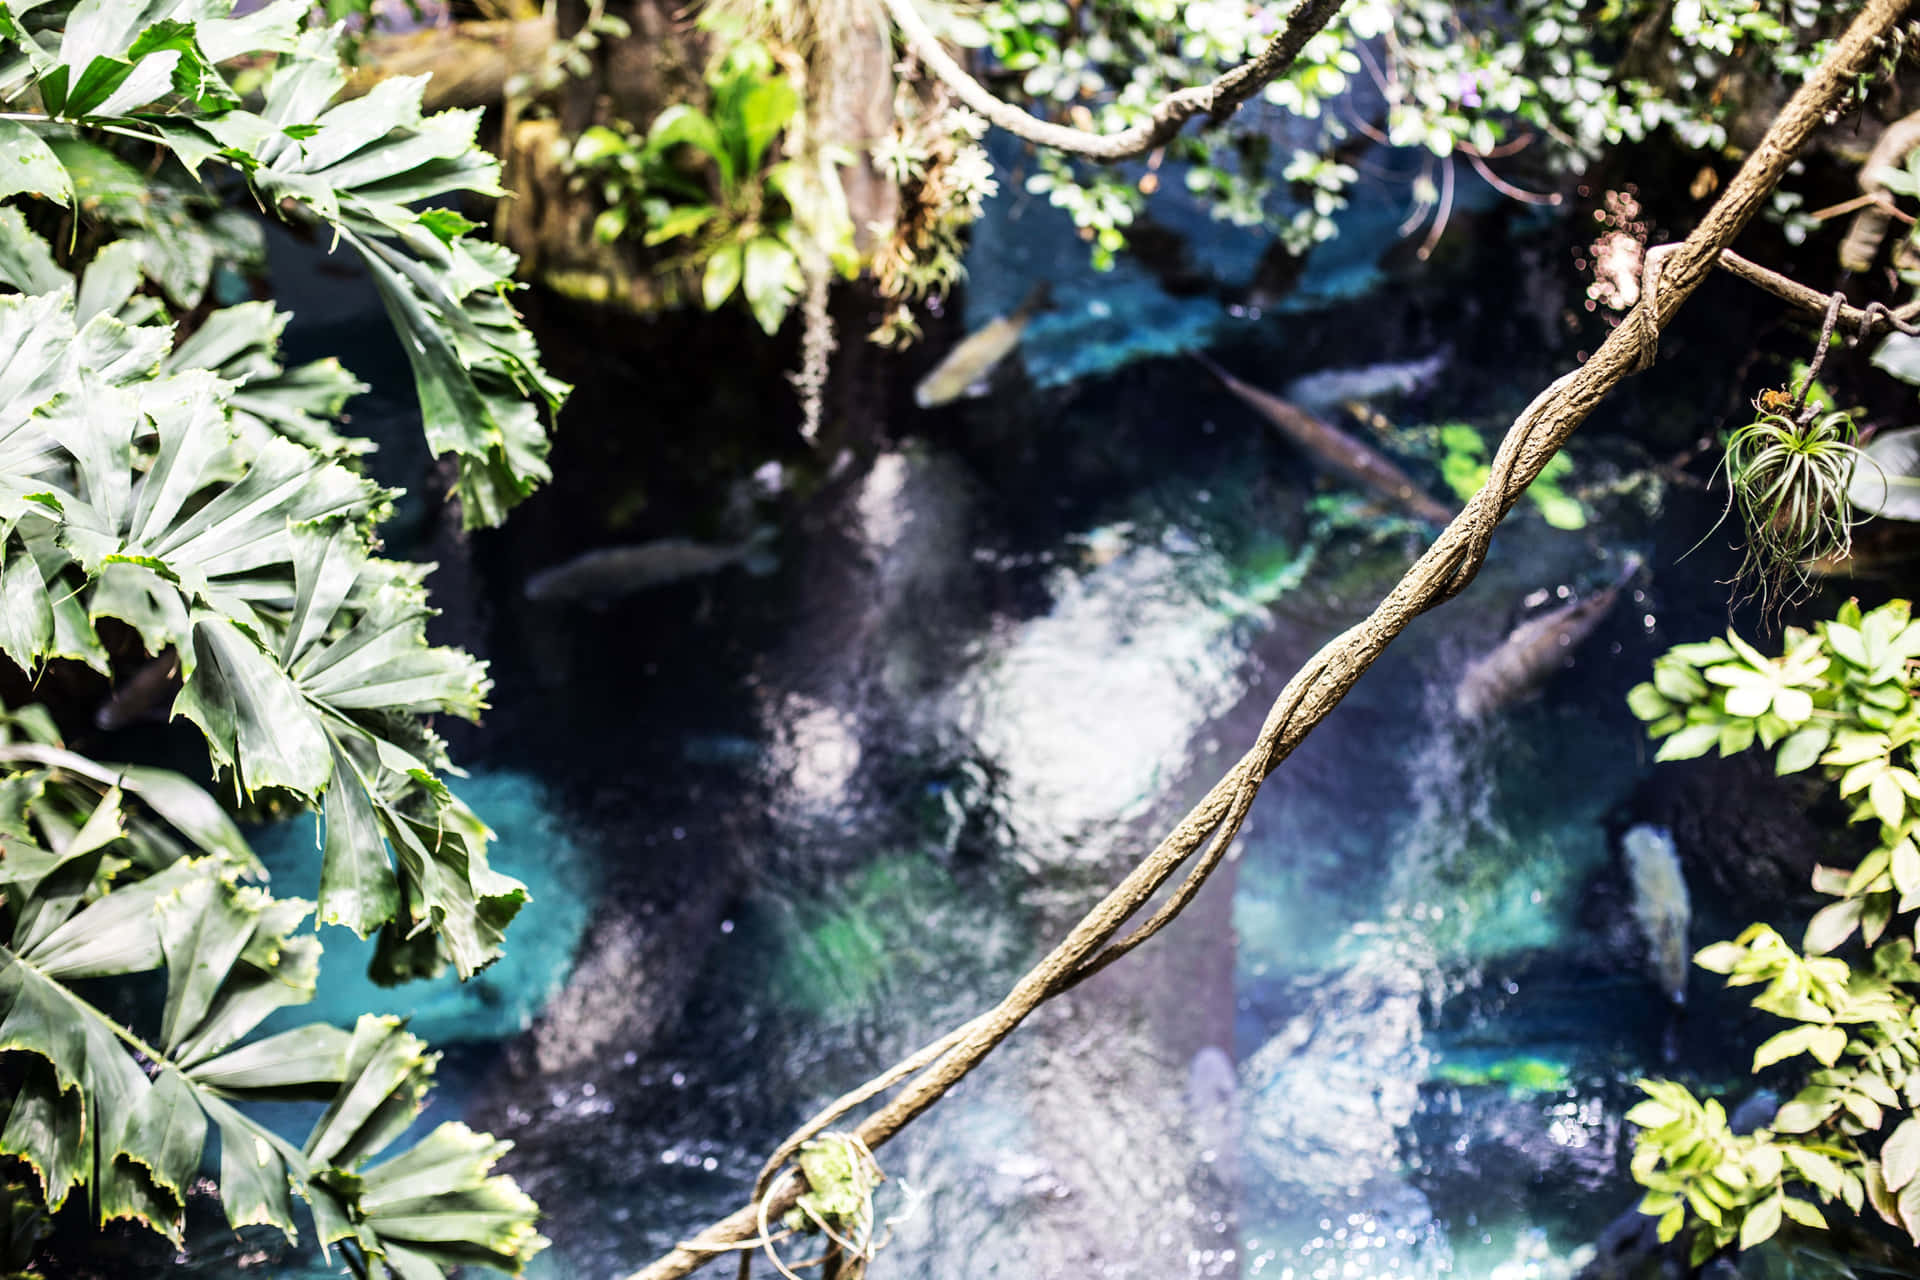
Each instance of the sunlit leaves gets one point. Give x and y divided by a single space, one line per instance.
125 1114
1840 699
361 166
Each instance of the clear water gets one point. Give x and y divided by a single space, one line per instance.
781 831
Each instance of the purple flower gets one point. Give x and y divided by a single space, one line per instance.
1469 88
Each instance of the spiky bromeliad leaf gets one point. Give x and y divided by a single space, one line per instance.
125 1114
359 166
303 659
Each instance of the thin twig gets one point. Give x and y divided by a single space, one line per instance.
1802 411
1217 99
1441 573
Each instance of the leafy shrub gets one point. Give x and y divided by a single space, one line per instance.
1840 698
165 492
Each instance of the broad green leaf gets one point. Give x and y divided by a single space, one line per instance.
1900 1155
770 279
1761 1222
721 277
1832 925
1694 740
1886 482
28 165
1647 703
680 123
1801 750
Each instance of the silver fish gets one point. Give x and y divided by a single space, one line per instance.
968 366
1660 904
1329 389
1533 650
612 572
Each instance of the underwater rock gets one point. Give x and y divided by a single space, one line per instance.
1745 838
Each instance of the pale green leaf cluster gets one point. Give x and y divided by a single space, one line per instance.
1840 698
1735 1186
129 493
148 70
182 499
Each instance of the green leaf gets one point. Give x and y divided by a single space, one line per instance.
1801 750
721 277
1647 702
1785 1044
1888 800
1832 925
771 281
764 110
680 124
1761 1222
28 165
1900 1154
1694 740
682 220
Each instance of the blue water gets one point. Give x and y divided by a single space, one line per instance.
781 830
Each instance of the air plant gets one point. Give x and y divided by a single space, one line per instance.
1789 476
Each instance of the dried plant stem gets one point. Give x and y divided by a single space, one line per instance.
1446 567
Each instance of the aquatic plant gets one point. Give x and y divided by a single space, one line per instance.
178 501
1842 698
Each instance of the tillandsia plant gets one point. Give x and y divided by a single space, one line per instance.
173 497
1842 698
1788 477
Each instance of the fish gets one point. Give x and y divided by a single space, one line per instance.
1533 650
1330 389
609 573
1334 449
969 365
1660 904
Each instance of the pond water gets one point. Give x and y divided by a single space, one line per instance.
781 830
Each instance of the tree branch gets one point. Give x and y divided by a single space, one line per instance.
1218 99
1446 567
1863 319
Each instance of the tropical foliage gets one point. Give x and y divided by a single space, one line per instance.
1463 83
1840 698
737 212
173 491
